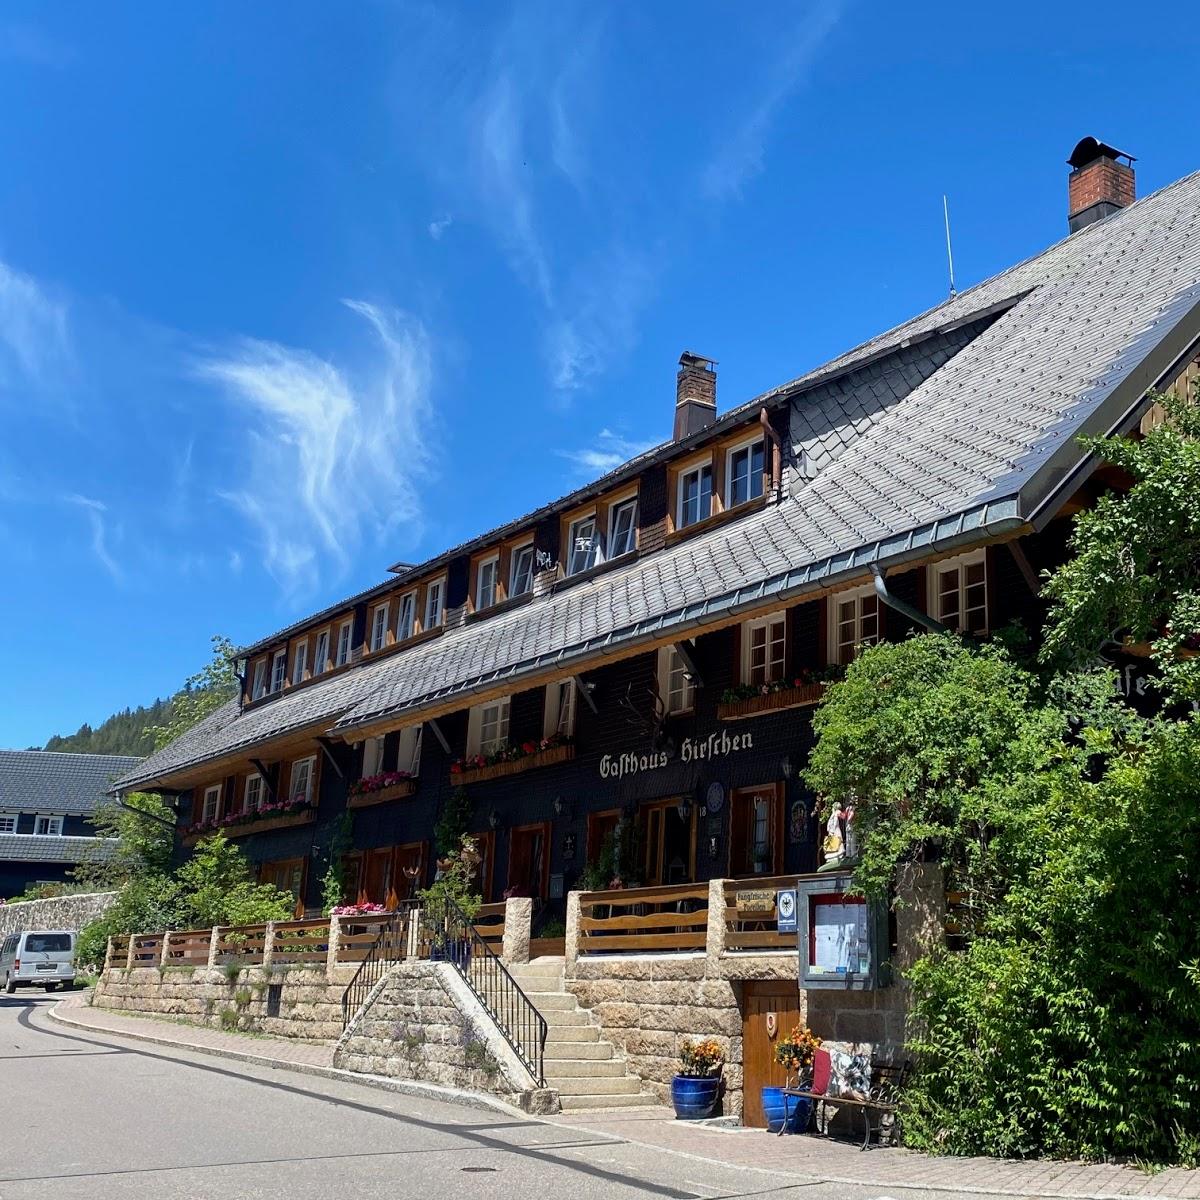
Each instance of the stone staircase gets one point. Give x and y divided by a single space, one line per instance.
579 1063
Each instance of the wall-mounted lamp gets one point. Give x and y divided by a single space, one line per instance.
559 806
787 767
494 819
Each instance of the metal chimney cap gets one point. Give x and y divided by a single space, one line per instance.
1089 149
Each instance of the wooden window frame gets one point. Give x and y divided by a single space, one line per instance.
489 560
278 670
958 563
433 586
410 598
486 841
778 819
748 627
411 762
258 685
253 777
597 550
287 864
546 828
748 443
594 837
837 599
615 506
320 663
663 806
685 472
338 660
50 819
475 725
311 789
384 607
300 670
514 558
552 708
5 818
376 768
204 795
666 654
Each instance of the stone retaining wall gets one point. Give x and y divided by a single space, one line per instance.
61 912
310 1003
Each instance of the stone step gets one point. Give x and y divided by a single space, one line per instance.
589 1085
572 1034
596 1050
538 981
581 1103
544 1001
574 1067
562 1017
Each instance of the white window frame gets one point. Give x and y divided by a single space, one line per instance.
9 822
857 595
478 720
406 626
345 643
933 589
750 444
748 630
490 566
372 757
255 782
379 625
54 823
278 670
684 476
591 558
435 603
320 662
300 662
258 688
409 756
560 708
681 699
311 763
624 504
211 793
514 572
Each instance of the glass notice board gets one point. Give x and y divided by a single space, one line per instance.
839 935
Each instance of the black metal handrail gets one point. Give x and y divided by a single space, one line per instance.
452 938
390 946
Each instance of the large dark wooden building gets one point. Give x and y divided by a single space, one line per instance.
651 645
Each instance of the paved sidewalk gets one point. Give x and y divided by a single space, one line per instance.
813 1157
805 1158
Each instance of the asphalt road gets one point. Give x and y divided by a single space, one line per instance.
84 1115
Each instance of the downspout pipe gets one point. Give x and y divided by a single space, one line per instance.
902 607
764 419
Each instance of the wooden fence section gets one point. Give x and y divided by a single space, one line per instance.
244 944
118 949
656 918
750 925
147 949
300 942
357 935
189 948
489 924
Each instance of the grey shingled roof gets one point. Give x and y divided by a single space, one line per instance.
953 425
48 781
18 847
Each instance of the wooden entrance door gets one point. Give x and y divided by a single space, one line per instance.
669 843
408 873
529 860
759 998
376 875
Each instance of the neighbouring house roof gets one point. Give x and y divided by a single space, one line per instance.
20 847
958 424
48 781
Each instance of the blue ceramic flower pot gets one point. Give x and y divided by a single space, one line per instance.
795 1111
694 1097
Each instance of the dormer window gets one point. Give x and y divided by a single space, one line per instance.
622 528
44 826
485 583
695 495
278 670
407 618
379 623
321 655
345 634
300 662
521 575
744 473
435 604
584 548
259 688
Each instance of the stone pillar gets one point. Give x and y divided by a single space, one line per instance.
714 945
572 942
920 912
268 944
214 944
164 949
412 942
335 936
518 928
129 952
108 953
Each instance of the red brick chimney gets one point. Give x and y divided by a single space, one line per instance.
695 394
1100 183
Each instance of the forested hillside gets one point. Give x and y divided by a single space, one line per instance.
127 732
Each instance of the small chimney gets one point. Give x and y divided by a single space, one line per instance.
695 394
1100 182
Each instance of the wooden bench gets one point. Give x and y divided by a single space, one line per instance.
887 1082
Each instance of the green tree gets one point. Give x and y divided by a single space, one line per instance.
144 832
202 694
1134 570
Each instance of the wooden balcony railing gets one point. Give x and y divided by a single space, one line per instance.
188 948
656 918
750 919
489 924
300 942
244 944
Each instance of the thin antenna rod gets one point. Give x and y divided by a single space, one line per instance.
949 249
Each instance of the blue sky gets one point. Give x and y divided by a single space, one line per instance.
290 291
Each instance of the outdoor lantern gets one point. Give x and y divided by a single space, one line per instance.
787 767
494 819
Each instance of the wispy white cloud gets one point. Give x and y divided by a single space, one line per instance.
606 453
97 512
34 340
739 156
439 226
332 455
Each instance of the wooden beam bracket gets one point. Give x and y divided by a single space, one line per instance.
327 749
261 768
1025 567
437 733
584 689
687 651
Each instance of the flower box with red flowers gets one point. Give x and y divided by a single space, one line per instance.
801 691
512 760
379 789
277 814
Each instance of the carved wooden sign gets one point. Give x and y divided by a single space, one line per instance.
757 900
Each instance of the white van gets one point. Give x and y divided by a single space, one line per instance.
38 958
